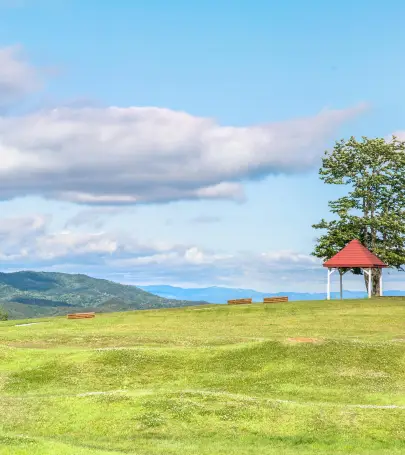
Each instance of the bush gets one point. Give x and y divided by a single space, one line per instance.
3 315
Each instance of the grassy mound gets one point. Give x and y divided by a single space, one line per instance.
296 378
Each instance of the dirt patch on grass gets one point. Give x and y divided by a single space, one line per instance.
303 340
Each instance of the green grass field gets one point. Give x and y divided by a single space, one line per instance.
207 380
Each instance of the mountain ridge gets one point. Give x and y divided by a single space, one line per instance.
218 294
35 294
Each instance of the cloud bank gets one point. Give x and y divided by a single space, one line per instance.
30 243
132 155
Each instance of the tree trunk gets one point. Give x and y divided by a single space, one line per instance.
375 282
372 213
365 214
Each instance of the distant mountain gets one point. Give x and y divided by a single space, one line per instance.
217 294
35 294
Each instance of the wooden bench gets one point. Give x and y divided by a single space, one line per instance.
239 301
81 315
275 299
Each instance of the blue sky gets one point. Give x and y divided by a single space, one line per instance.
243 73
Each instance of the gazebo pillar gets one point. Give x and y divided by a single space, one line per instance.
330 271
369 287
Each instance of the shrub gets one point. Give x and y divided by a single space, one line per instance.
3 315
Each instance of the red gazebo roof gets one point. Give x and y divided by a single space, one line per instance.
354 254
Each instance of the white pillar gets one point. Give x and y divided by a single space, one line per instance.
341 284
330 271
381 282
369 283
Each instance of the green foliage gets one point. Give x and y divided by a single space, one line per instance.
34 294
373 211
3 315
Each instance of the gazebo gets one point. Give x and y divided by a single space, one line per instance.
354 255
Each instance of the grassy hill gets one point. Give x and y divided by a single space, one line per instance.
35 294
297 378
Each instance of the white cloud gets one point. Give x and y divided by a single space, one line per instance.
143 155
124 156
21 226
17 235
289 257
32 240
94 217
175 256
17 77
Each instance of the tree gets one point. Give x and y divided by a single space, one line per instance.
3 315
373 211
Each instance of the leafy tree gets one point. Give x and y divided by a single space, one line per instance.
3 315
373 211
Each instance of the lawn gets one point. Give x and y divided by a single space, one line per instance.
295 378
